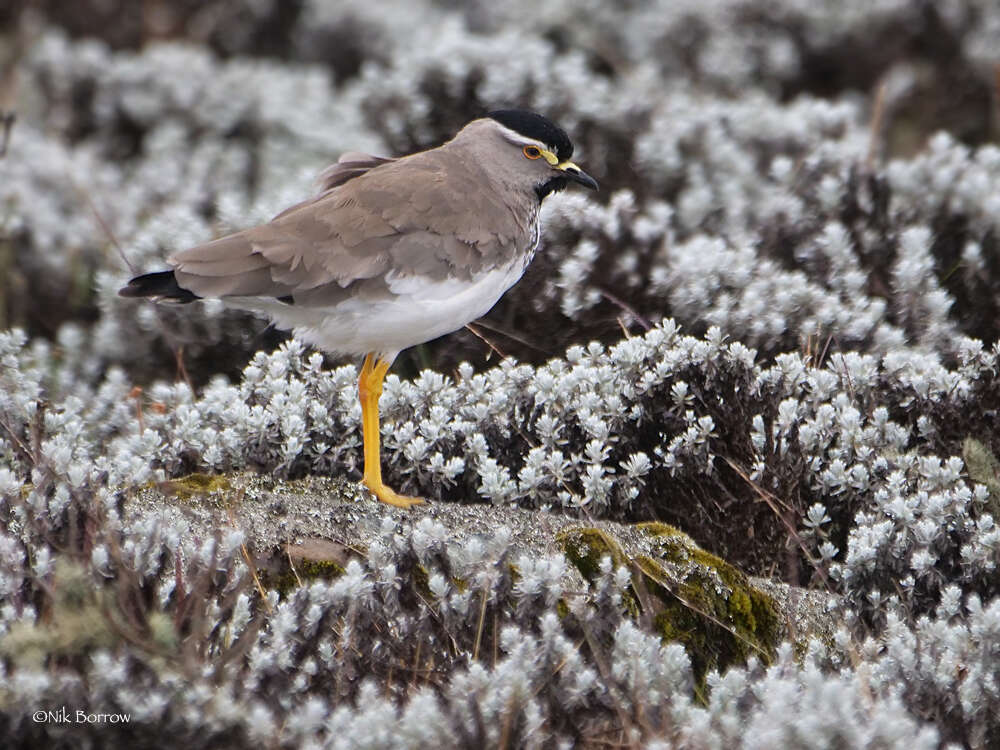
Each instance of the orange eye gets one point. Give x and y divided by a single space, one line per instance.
532 152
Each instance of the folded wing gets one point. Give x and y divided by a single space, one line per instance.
372 215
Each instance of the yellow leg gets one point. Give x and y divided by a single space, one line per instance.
369 389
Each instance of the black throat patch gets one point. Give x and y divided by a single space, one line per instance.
554 185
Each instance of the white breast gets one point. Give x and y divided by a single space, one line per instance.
420 309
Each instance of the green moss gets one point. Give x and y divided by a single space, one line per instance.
658 528
690 595
313 569
200 485
707 604
585 547
562 608
288 576
678 552
197 484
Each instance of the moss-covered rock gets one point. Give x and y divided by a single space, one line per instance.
200 485
302 530
294 565
691 596
705 603
586 547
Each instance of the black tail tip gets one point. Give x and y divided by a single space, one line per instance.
160 285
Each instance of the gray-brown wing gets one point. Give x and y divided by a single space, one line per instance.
461 205
416 215
350 165
274 259
329 241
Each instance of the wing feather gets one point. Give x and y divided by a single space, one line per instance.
415 216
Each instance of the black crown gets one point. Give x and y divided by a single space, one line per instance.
535 126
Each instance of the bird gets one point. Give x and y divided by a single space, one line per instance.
390 252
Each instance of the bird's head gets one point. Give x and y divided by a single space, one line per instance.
526 149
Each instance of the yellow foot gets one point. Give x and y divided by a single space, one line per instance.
390 497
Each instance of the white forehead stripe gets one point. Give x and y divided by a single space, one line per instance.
513 135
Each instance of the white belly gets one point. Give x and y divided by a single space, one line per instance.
419 310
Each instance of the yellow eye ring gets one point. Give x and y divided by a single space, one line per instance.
532 152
